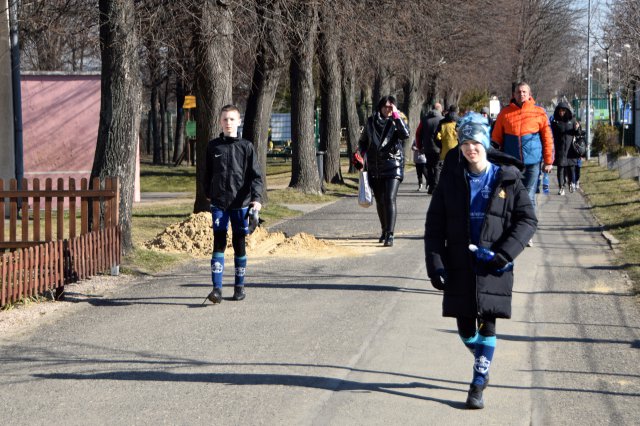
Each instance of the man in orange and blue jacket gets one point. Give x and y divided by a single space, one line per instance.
522 130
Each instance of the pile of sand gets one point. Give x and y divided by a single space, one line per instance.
195 237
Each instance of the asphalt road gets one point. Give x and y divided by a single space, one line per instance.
350 340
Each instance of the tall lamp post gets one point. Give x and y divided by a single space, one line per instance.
588 109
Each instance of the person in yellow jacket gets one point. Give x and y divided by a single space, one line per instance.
446 133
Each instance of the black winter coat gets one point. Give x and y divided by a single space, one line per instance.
471 290
382 140
428 134
563 129
232 173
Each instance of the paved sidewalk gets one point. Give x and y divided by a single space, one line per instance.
348 340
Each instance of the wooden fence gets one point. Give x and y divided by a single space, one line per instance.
39 263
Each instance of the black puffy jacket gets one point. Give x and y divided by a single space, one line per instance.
382 140
232 173
429 131
471 290
564 131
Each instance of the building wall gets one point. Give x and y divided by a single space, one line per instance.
60 116
7 148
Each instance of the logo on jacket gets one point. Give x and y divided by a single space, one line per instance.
502 194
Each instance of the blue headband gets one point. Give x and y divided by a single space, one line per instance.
474 127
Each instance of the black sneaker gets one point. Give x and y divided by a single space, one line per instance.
474 398
388 242
383 237
238 292
215 296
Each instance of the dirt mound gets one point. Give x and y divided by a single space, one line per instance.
194 236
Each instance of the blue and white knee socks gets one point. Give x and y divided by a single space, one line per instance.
217 268
240 264
484 348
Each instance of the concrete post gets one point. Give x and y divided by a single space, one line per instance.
7 149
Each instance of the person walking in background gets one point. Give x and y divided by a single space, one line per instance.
478 222
426 142
522 131
446 134
420 161
233 184
485 112
381 146
564 128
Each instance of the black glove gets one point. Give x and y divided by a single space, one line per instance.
498 262
439 280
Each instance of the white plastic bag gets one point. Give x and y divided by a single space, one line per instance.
365 197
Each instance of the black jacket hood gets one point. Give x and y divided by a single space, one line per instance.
567 116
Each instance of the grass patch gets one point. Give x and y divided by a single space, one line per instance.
616 204
166 178
142 261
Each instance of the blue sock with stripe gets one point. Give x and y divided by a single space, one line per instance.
485 346
217 268
240 264
470 342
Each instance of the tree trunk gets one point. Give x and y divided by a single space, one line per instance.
350 107
119 105
330 94
162 98
178 141
269 64
381 84
214 50
153 116
365 107
432 94
413 99
304 170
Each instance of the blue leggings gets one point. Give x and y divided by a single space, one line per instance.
239 225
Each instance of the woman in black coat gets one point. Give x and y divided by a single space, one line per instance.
479 220
564 128
381 152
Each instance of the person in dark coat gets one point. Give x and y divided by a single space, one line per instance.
426 143
564 128
381 152
479 220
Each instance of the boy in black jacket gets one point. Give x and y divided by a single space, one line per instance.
233 185
479 220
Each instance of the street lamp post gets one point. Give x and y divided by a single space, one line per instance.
588 109
609 106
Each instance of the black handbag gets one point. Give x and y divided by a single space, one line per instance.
580 145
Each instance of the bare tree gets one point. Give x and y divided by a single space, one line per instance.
119 105
269 65
60 35
302 39
214 49
330 93
349 105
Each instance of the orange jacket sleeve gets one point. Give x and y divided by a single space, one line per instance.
547 140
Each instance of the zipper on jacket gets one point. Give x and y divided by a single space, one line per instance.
468 223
